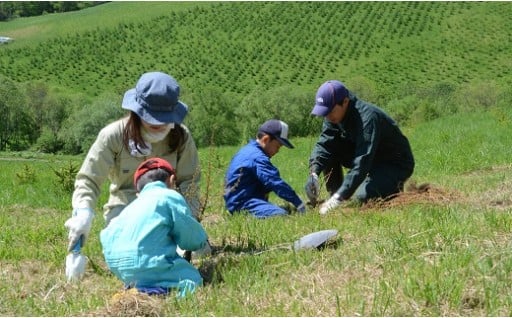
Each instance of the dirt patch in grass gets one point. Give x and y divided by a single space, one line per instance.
414 193
498 197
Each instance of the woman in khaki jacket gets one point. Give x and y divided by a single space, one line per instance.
153 128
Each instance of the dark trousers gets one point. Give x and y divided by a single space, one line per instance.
383 180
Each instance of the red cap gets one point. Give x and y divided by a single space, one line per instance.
150 164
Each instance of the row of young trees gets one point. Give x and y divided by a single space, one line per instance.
14 9
240 45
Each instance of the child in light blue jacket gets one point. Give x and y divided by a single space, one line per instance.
140 244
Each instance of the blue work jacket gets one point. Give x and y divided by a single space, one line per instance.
251 175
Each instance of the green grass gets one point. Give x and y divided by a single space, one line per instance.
252 61
443 253
34 30
430 257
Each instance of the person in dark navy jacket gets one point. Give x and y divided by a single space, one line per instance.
362 138
251 176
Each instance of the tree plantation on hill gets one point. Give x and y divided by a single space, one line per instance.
249 60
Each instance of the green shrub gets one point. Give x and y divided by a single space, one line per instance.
212 118
290 104
48 142
66 177
27 175
402 109
80 129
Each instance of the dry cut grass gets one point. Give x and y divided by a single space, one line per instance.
424 193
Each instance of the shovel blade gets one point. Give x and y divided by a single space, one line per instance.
314 240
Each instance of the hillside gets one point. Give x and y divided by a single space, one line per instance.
251 61
243 46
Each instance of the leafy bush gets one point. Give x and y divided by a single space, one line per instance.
48 142
290 104
402 109
81 128
477 95
17 123
211 117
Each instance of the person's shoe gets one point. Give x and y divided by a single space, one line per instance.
203 252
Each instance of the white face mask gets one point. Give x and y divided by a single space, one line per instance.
152 136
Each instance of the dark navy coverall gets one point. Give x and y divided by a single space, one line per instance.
369 143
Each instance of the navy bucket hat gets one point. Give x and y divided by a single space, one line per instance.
155 99
328 95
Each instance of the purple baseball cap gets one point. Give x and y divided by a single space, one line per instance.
329 94
277 129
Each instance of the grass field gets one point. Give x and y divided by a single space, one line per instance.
442 248
443 251
34 30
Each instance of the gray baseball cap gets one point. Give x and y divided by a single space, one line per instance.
277 129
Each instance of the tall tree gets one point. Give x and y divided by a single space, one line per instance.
17 122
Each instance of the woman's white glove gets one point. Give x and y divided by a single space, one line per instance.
312 187
330 204
79 225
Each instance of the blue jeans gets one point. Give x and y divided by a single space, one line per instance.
263 209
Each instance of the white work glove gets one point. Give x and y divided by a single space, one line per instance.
79 225
330 204
301 208
312 187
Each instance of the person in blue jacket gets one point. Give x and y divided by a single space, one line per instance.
140 244
361 137
251 176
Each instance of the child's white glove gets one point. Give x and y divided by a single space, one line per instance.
330 204
312 187
301 208
79 225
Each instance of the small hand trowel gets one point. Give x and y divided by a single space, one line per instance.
314 240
